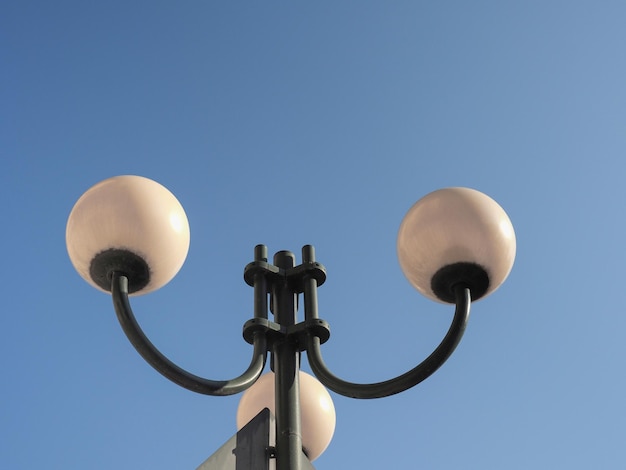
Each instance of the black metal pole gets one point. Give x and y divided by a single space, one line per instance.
407 380
286 338
147 350
260 284
309 288
286 362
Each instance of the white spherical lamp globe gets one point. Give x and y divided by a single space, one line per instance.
316 406
452 236
128 224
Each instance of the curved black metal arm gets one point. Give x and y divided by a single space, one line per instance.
119 290
406 380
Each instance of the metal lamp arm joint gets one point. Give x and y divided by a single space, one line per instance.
134 333
407 380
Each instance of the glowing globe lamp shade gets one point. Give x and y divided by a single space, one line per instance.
128 224
317 408
452 236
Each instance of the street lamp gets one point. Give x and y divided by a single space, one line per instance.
128 235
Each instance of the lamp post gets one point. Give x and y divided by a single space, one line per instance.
129 235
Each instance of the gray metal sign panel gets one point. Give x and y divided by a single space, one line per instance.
250 448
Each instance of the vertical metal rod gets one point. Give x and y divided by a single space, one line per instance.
286 368
260 284
310 286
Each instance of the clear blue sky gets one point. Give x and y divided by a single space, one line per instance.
291 124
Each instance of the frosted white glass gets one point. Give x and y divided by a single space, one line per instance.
455 225
317 410
131 213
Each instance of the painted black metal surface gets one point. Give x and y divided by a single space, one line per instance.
285 338
170 370
125 262
405 381
470 275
